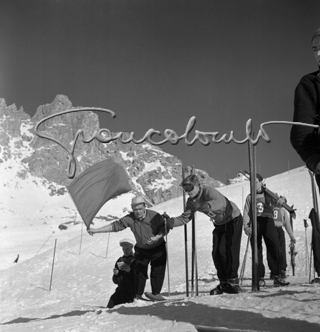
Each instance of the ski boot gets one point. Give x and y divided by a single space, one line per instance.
262 282
278 281
218 290
232 286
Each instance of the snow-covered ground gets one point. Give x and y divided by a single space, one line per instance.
81 281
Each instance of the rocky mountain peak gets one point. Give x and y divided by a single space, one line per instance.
153 172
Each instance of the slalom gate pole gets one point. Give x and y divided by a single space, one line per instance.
310 264
107 245
316 208
81 238
185 239
54 254
292 250
243 266
44 243
194 256
168 270
253 174
306 245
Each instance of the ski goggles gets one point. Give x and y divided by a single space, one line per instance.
188 187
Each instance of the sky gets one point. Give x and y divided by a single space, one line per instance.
158 63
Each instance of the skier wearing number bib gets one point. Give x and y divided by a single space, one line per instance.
266 229
281 219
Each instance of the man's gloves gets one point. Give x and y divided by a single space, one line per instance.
247 229
206 208
316 170
155 239
123 267
292 243
169 221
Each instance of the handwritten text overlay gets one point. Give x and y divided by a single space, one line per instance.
105 136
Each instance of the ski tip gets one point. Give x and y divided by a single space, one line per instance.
153 297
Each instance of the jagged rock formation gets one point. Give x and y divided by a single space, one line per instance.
153 172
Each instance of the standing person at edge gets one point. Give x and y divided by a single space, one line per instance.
266 229
226 236
281 219
148 227
306 140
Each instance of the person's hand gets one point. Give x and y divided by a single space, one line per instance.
115 271
90 231
317 169
206 208
292 243
125 268
247 230
165 216
154 239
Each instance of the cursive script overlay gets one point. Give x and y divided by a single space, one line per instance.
105 136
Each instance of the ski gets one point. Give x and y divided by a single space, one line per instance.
290 209
153 297
293 252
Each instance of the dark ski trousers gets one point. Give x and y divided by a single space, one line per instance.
282 244
315 240
266 229
157 257
125 291
226 242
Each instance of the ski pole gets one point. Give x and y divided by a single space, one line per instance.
243 266
165 229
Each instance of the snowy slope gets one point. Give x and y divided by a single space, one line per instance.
82 274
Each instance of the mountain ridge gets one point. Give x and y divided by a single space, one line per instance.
153 172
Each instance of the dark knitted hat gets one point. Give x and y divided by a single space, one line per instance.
259 177
191 179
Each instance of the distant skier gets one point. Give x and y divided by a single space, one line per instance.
281 219
16 260
148 227
266 229
123 276
226 236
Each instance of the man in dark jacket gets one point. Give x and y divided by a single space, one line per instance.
226 236
306 140
123 276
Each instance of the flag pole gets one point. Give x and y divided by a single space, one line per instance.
253 175
185 239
